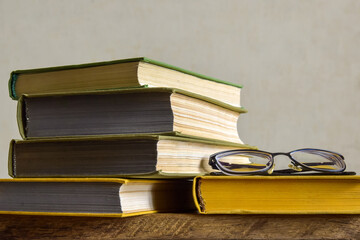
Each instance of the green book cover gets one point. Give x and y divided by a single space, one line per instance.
14 75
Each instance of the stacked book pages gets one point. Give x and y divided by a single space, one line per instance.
128 137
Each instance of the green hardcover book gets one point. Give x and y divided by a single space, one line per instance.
135 72
126 156
131 111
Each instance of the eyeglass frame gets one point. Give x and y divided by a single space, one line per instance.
215 164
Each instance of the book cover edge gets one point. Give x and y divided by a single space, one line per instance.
11 170
78 214
20 117
195 194
146 89
307 177
169 135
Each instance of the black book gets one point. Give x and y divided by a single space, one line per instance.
131 111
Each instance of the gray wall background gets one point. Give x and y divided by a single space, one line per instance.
299 61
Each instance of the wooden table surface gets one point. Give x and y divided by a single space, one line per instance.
182 226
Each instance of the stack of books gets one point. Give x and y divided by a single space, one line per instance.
127 137
115 138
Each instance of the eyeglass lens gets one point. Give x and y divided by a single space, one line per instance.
318 160
245 162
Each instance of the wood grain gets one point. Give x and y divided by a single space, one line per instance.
182 226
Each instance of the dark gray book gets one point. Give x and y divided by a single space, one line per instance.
131 111
126 156
94 197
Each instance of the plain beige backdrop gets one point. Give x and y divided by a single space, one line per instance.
299 61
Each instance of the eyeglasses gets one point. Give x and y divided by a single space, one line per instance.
248 161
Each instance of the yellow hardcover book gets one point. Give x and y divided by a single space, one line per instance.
99 197
277 194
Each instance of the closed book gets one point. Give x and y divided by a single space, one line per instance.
277 194
94 197
130 111
127 156
135 72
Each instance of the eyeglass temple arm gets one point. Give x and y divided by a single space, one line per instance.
290 171
254 166
319 163
234 165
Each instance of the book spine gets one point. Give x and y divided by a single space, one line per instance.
12 83
196 193
20 116
11 165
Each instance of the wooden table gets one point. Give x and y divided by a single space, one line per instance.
182 226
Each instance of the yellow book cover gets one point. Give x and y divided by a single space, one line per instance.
277 194
98 197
